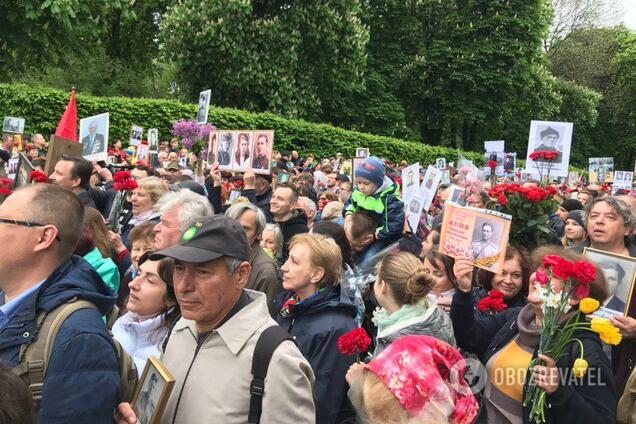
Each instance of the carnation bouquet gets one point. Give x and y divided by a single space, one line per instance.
575 279
542 157
38 177
123 182
6 186
529 208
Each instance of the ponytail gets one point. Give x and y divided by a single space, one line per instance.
406 277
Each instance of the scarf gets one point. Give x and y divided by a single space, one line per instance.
386 321
290 304
146 216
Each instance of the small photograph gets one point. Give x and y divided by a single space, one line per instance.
620 274
213 145
136 135
262 156
362 152
94 136
486 238
456 195
143 152
242 157
429 182
13 125
415 206
153 140
23 171
440 163
226 148
152 393
204 106
510 163
410 179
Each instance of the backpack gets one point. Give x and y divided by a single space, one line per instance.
34 358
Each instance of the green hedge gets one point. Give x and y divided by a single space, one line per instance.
43 107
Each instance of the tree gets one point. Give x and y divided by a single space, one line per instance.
298 59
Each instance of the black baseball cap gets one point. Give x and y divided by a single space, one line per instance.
209 239
342 177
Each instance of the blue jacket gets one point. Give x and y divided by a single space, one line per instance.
315 327
82 381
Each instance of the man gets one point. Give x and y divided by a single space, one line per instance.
225 149
609 224
345 192
41 144
41 224
258 190
284 210
309 207
549 140
296 159
93 142
210 349
340 180
484 248
73 173
263 277
179 211
261 157
360 232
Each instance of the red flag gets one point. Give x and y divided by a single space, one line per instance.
67 127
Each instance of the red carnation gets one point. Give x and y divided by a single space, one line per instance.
6 191
354 342
534 155
502 199
563 270
492 303
551 190
584 272
124 181
582 290
492 164
39 177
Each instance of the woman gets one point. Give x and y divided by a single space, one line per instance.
315 312
152 311
272 240
401 289
512 282
431 240
508 341
440 268
242 157
143 200
575 230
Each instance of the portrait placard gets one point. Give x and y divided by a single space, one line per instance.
262 155
495 157
152 392
623 180
479 235
510 163
362 152
242 157
153 140
620 274
204 106
136 135
446 179
456 195
225 151
13 125
601 169
495 146
23 171
94 137
411 194
440 163
429 185
551 137
143 152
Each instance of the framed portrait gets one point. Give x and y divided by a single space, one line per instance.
13 125
204 106
429 186
183 162
551 137
242 157
94 136
143 152
362 152
445 179
227 142
210 151
620 274
263 142
153 140
440 163
476 234
152 392
456 195
136 135
23 171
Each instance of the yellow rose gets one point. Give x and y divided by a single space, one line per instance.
580 367
606 330
588 305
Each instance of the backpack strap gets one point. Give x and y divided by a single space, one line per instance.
34 358
267 343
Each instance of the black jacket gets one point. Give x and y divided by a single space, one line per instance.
591 399
316 327
260 200
296 224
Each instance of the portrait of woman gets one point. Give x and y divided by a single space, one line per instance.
242 157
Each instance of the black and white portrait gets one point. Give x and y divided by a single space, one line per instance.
204 106
242 158
362 152
486 238
226 147
136 135
620 274
440 163
149 397
456 195
13 125
94 136
153 140
550 137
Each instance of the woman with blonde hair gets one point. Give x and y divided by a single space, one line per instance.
401 289
315 312
143 200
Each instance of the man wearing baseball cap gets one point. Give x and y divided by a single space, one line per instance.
210 349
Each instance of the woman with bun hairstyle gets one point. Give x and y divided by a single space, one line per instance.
401 290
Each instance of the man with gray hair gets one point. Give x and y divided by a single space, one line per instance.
179 210
264 277
309 206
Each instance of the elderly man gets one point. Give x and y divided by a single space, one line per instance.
309 207
41 225
179 211
211 348
264 277
93 142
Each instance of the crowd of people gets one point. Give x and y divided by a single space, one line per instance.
243 285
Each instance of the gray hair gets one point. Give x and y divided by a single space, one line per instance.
619 206
237 210
194 207
278 234
232 264
306 201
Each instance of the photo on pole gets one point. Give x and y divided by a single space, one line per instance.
94 137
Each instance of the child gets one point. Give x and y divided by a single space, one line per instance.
379 196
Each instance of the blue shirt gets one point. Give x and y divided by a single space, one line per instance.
7 310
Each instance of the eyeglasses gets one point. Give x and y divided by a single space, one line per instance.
24 224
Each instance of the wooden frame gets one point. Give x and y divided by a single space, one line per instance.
156 410
23 171
630 303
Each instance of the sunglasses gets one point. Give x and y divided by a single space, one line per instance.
24 224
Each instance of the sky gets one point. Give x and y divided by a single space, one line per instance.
630 13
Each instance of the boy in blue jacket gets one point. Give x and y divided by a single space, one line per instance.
377 195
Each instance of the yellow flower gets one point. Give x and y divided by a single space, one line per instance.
606 330
588 305
580 367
